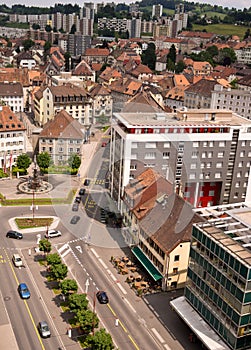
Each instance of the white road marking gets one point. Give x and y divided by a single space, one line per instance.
158 335
103 264
65 253
94 252
166 347
121 288
79 249
130 305
63 248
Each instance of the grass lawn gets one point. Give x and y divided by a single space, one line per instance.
222 29
24 223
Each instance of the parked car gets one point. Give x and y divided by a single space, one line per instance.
104 144
78 199
75 219
75 206
87 182
102 297
17 261
23 291
81 191
44 329
14 234
53 233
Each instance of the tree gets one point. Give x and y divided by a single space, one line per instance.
149 56
35 26
45 246
74 161
43 160
48 28
101 340
247 34
179 67
68 286
226 56
212 50
172 53
47 46
67 57
27 44
23 161
170 65
59 271
78 302
87 320
53 259
73 29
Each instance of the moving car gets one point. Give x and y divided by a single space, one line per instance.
87 182
17 261
53 233
75 219
23 291
78 199
102 297
14 234
75 206
81 191
44 329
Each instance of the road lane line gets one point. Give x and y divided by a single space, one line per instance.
25 302
94 252
130 305
63 247
122 289
65 253
167 347
132 340
111 309
156 333
103 264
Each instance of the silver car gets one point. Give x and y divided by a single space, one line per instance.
44 329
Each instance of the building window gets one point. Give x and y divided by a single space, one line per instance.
166 155
134 145
176 258
222 144
150 145
211 193
192 176
195 144
240 164
134 156
209 165
167 144
203 154
150 155
242 154
175 270
238 174
187 194
210 154
195 155
137 131
202 165
193 166
237 184
243 143
218 175
133 167
220 154
219 165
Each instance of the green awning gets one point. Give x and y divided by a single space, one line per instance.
148 265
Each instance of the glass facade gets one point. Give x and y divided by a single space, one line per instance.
219 288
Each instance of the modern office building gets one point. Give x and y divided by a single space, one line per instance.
218 289
205 153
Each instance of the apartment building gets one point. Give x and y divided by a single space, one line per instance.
216 302
12 135
199 94
205 153
101 105
236 100
50 100
61 137
157 10
11 93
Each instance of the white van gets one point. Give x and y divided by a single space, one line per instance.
17 261
53 233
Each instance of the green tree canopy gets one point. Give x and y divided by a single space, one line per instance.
67 57
172 53
78 302
27 44
53 259
59 271
45 246
47 46
68 286
74 161
226 56
48 28
43 160
73 29
101 340
179 67
23 161
149 56
87 320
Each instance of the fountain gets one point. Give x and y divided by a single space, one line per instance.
35 183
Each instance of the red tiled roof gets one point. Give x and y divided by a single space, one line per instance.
9 121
